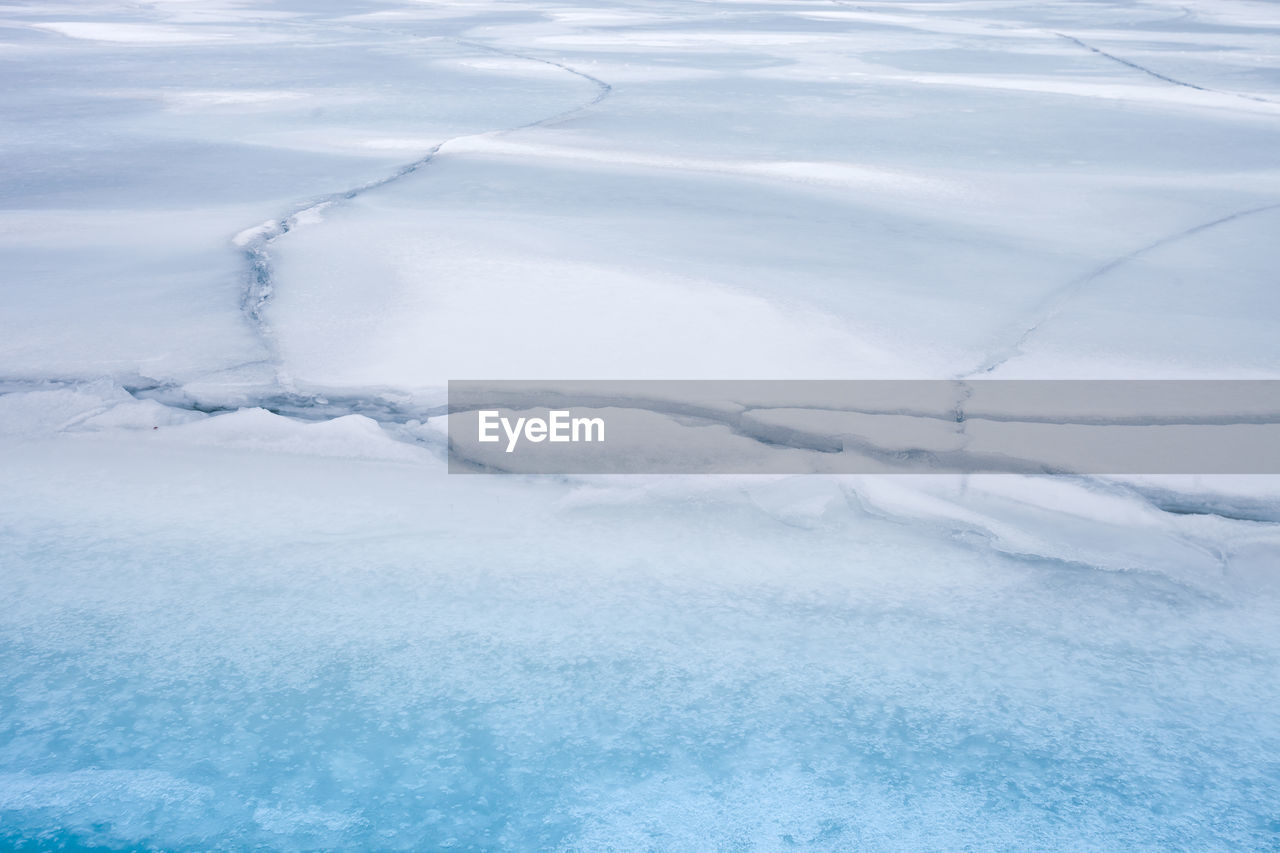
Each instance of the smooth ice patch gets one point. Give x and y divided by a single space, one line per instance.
111 31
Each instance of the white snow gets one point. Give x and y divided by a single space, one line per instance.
130 33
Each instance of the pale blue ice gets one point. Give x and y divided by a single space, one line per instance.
228 628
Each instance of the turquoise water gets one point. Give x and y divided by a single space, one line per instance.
663 680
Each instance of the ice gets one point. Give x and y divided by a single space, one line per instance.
129 33
351 436
124 189
960 228
357 654
243 245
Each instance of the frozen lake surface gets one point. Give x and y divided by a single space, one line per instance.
230 628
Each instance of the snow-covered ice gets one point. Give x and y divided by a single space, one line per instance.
244 244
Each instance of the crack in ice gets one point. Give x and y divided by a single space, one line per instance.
1157 75
1052 305
255 242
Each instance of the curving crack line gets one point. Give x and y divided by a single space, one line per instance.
1186 12
1135 66
1052 304
255 242
1157 75
603 89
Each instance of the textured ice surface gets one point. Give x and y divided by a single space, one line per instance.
227 628
133 154
803 193
234 649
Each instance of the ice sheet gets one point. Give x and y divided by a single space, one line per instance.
234 648
243 245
